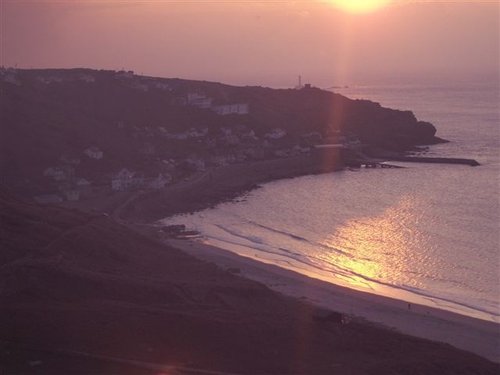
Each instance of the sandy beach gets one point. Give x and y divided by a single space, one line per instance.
83 291
203 191
474 335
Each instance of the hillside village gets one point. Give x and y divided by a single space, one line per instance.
76 134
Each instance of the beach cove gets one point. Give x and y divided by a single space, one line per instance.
250 187
441 104
475 335
225 305
206 190
188 316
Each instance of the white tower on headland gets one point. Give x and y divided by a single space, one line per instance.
299 86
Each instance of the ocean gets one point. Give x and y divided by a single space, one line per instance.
425 233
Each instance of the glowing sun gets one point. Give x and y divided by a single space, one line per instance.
360 6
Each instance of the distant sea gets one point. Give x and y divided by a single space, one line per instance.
426 233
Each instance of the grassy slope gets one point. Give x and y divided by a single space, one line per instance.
82 282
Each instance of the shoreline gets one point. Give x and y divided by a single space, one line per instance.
464 332
263 173
214 186
205 190
372 287
105 297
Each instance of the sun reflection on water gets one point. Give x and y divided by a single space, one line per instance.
380 247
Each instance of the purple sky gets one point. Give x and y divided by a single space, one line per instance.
256 42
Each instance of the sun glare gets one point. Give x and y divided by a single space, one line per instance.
360 6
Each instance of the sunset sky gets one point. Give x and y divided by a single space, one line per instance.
260 42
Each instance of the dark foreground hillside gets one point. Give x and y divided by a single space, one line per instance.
73 283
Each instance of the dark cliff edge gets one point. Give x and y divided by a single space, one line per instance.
54 123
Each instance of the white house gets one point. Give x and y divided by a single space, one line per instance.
86 78
49 79
94 153
72 195
191 133
276 133
122 180
199 100
169 164
125 74
9 75
301 150
281 153
82 182
58 173
232 109
312 138
161 86
250 136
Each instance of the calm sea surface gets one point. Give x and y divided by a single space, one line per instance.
427 233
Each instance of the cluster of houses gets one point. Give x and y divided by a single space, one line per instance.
195 99
226 146
126 180
9 75
227 135
231 109
94 153
190 133
73 188
70 187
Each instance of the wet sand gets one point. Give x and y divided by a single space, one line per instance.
474 335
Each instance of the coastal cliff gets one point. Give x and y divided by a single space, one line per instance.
80 133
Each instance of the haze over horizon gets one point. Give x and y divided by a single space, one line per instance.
256 43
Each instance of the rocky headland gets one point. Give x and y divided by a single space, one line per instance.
77 134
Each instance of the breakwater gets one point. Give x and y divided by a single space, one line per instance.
439 160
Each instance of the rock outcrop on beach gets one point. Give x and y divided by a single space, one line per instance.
82 293
67 132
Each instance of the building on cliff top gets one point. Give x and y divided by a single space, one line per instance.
122 180
232 109
199 100
94 153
